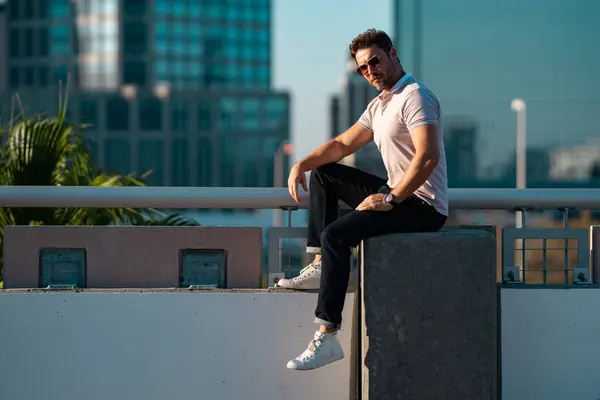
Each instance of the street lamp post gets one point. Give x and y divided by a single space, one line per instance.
520 107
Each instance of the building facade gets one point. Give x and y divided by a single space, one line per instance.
181 88
479 56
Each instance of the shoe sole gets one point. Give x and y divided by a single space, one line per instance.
317 366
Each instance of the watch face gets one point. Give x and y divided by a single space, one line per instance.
389 198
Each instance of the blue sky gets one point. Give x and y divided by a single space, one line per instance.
310 47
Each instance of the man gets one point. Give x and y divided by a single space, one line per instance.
404 122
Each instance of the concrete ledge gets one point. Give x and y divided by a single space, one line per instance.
430 315
132 257
171 346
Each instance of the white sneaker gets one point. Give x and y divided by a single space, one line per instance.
308 279
324 349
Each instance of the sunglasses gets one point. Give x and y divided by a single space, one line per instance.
372 62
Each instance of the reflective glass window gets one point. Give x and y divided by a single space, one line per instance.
250 114
180 169
28 43
203 115
59 8
204 160
29 80
14 77
88 113
150 153
29 14
228 110
60 74
250 164
117 156
134 37
43 42
162 7
14 46
43 9
134 71
179 115
150 118
227 160
117 114
137 7
43 72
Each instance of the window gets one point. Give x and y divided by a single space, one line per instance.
203 115
88 113
150 118
179 116
228 110
134 37
15 77
134 8
204 159
60 74
43 42
118 156
59 35
250 114
180 175
43 73
227 160
43 9
29 9
134 71
28 43
14 46
29 80
251 165
117 114
59 8
151 159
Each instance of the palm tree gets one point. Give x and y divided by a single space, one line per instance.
51 151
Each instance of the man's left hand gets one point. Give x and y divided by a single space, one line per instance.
375 202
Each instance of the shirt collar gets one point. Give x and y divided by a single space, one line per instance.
386 96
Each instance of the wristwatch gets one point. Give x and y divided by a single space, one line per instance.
389 198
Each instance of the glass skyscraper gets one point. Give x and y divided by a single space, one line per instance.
179 87
478 56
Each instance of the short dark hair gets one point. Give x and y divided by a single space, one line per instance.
369 38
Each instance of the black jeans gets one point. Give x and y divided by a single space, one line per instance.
334 237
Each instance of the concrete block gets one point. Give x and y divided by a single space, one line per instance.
430 315
132 256
595 252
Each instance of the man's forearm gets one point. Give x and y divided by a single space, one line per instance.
330 152
418 172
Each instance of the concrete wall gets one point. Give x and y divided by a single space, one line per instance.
139 257
550 345
163 345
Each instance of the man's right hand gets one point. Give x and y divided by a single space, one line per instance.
297 176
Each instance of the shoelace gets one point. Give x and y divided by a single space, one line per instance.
303 270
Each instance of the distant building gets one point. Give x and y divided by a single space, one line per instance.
2 52
346 108
575 163
477 56
460 142
180 88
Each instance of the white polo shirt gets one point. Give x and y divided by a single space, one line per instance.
391 116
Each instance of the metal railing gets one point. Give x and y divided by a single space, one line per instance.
513 239
273 198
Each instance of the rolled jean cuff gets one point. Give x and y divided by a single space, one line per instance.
313 250
327 324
